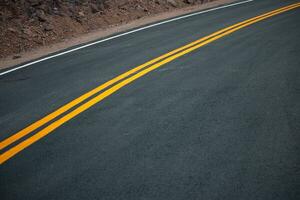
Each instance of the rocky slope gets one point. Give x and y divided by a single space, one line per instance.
27 24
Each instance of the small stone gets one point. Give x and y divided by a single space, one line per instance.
81 14
94 8
16 56
48 27
27 31
56 11
172 2
12 30
189 1
34 2
41 15
78 20
139 7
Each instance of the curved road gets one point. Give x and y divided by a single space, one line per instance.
219 121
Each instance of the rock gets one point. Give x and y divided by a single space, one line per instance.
48 27
31 12
172 2
79 20
56 11
102 6
34 2
23 37
27 31
41 15
139 7
71 10
31 20
81 14
16 56
94 8
44 7
2 17
189 1
12 30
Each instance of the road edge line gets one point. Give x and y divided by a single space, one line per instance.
121 35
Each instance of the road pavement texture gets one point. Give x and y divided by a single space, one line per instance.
217 119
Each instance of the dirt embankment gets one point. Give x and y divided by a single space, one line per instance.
28 24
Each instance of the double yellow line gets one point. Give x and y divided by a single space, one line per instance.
114 85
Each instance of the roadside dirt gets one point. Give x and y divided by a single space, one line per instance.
26 38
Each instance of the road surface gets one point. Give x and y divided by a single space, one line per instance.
221 121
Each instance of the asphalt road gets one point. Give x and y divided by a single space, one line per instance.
221 122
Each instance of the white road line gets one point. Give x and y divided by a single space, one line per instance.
123 34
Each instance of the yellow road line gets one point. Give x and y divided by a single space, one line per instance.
14 150
15 137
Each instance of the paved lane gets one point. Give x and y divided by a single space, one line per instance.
221 122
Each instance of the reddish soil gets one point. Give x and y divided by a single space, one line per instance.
32 28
